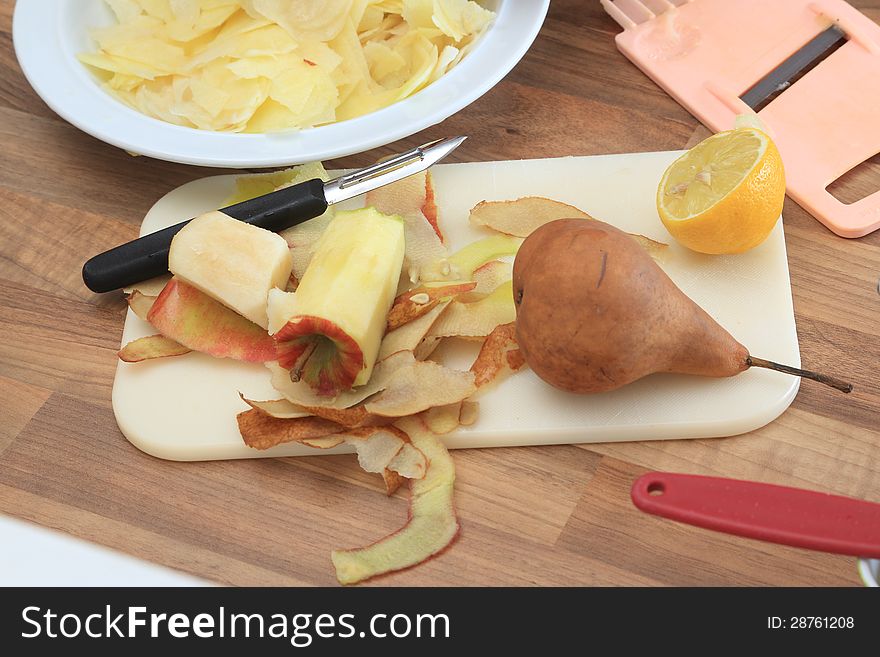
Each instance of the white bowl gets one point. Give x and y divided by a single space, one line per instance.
48 34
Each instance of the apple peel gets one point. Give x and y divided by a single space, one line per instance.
281 409
479 318
409 462
251 186
426 347
487 278
354 417
409 199
446 419
462 264
325 442
195 320
406 196
420 386
393 481
150 348
410 335
387 451
655 249
377 447
432 525
429 207
300 393
499 356
443 419
302 239
409 196
140 303
411 389
262 431
418 301
151 287
524 216
469 412
423 247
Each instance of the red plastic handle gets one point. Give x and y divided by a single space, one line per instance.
790 516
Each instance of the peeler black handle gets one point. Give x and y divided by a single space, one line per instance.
147 257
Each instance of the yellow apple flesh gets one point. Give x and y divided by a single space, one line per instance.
231 261
342 302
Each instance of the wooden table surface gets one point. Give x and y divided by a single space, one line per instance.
538 515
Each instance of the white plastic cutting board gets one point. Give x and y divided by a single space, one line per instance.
184 408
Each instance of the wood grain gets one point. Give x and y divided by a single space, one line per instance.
530 516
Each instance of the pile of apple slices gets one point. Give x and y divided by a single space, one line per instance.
346 311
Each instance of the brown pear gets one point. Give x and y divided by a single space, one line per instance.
595 312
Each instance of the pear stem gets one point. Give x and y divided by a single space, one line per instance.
831 381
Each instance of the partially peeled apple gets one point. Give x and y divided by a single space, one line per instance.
341 305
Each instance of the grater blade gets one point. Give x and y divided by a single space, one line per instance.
794 68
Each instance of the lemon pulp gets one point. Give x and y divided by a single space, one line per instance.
710 171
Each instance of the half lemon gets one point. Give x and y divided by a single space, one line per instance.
725 194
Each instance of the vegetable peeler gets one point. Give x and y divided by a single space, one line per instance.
147 256
778 514
810 69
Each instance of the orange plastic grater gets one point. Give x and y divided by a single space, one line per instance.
810 68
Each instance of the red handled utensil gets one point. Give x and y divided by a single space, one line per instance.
779 514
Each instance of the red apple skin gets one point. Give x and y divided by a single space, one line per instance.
429 208
333 366
195 320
